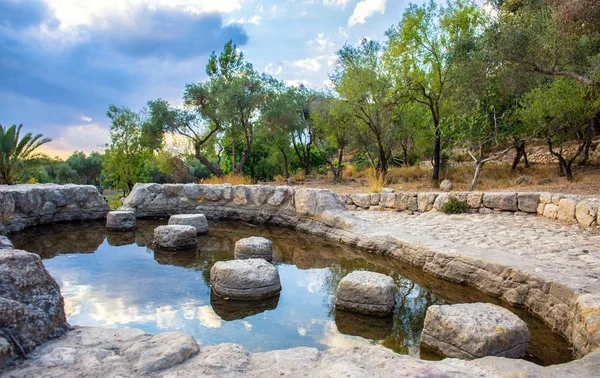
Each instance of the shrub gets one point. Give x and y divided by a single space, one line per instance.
375 179
233 179
454 206
350 171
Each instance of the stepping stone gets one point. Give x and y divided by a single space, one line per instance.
254 248
251 279
197 220
367 293
120 221
175 237
474 330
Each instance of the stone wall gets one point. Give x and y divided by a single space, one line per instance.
563 207
23 206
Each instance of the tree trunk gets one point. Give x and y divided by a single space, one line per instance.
207 163
437 153
586 152
478 169
520 148
286 171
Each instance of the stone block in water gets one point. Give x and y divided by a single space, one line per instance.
175 237
251 279
254 248
367 293
474 330
120 220
197 220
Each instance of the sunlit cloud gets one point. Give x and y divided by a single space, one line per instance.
365 9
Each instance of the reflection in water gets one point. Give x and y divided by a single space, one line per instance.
118 280
233 310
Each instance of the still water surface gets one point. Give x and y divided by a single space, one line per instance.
119 280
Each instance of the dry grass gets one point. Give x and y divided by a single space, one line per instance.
299 176
350 172
233 179
406 174
376 180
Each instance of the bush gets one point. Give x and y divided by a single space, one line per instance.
454 206
233 179
376 180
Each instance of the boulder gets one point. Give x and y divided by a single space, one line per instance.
446 186
120 221
361 200
367 293
474 330
254 248
175 237
586 212
31 307
566 209
251 279
5 243
196 220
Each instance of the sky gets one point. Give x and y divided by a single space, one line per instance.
63 62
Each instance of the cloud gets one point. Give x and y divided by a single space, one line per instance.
273 69
297 82
365 9
308 64
84 137
321 42
255 20
336 3
86 119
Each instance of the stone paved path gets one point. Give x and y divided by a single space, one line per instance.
549 248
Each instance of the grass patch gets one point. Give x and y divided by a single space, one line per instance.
233 179
114 201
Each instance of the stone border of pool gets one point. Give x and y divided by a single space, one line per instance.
562 207
573 314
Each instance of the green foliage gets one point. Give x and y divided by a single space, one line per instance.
126 158
16 152
454 206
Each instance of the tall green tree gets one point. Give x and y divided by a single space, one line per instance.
423 52
17 151
126 157
364 82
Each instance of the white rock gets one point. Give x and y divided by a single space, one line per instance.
251 279
446 186
120 220
175 237
366 292
474 330
254 248
197 220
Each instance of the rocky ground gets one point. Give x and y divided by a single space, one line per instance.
96 352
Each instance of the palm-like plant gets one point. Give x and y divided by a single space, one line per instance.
15 151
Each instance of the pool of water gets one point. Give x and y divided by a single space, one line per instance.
119 280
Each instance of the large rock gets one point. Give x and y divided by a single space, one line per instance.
254 248
31 307
528 202
28 205
251 279
446 186
586 212
175 237
474 330
197 220
120 221
501 201
366 292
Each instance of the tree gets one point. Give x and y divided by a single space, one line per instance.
560 111
552 38
126 156
87 168
16 151
424 50
334 130
303 130
366 85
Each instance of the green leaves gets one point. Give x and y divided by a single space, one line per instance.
15 151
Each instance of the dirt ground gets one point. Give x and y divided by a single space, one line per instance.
497 177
